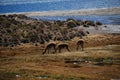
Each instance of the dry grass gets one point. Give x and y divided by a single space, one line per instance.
94 63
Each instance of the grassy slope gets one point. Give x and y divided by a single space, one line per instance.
27 63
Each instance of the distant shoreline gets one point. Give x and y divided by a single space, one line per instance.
101 11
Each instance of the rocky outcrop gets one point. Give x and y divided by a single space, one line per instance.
17 29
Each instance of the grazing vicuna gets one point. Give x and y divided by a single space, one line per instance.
80 44
49 47
61 46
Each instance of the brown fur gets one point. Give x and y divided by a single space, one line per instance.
50 46
61 46
80 43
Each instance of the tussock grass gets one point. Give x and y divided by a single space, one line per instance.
94 63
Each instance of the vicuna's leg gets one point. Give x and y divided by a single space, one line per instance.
48 50
67 48
82 46
54 49
77 47
44 51
59 50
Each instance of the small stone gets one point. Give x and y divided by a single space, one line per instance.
74 63
17 75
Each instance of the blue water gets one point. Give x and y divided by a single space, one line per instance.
106 19
56 5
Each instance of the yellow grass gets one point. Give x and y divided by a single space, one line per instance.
28 63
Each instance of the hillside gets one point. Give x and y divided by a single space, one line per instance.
17 29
